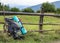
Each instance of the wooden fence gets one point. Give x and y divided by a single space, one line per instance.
41 16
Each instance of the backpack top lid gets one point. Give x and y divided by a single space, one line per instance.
15 18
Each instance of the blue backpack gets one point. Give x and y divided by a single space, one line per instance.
22 29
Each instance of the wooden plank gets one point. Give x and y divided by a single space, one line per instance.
1 22
41 23
37 23
37 30
42 30
29 14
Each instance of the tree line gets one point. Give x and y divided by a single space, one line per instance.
47 8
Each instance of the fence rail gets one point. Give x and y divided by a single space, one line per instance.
25 13
37 23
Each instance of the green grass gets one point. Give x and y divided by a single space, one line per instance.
35 19
34 37
31 38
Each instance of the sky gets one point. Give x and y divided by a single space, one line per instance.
25 2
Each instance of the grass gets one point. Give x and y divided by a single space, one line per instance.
34 37
35 19
31 38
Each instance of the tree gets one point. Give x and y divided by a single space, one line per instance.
14 9
6 8
48 7
28 10
1 7
38 11
58 10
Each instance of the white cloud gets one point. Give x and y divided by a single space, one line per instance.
25 2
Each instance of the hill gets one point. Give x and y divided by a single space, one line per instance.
37 7
18 6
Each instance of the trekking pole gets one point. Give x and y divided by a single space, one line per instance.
4 18
3 11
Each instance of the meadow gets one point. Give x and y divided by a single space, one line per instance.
33 37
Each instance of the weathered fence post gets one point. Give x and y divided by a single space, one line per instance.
41 21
